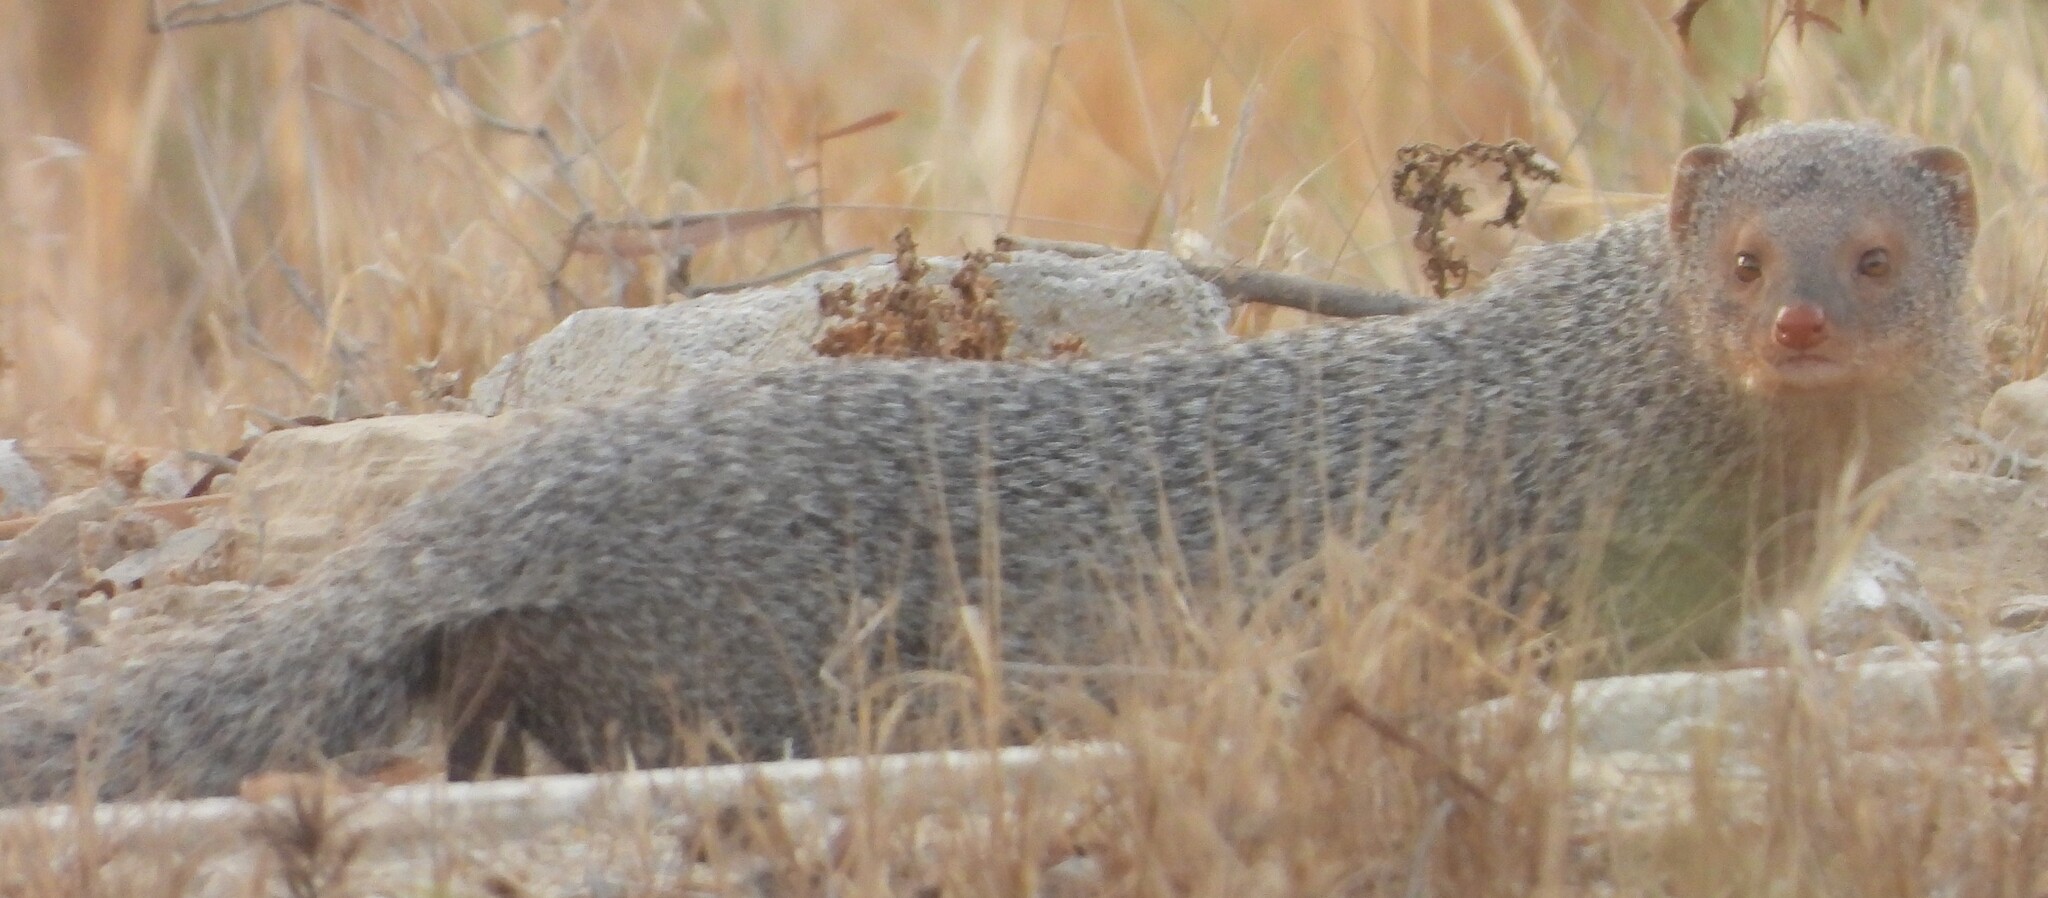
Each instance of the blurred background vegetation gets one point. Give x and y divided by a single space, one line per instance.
305 208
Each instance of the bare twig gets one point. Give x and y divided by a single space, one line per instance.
440 65
216 466
1250 285
185 15
253 340
816 165
670 235
678 278
1052 64
784 274
1795 14
504 40
1388 729
873 121
1160 196
677 237
348 352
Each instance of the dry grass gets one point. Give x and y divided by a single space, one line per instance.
1312 742
287 213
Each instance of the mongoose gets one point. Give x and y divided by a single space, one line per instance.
1788 326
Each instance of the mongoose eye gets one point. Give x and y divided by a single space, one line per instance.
1876 263
1747 267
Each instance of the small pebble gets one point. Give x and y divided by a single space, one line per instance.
21 488
2023 613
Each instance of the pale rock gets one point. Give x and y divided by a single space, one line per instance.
1739 710
21 487
195 555
2029 612
1117 304
170 478
185 603
1879 599
303 492
50 548
101 544
1978 538
2017 416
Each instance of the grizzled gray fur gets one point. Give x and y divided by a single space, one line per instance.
700 556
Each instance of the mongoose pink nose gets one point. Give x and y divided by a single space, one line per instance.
1801 327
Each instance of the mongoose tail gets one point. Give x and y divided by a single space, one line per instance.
269 689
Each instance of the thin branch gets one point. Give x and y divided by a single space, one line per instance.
1180 148
1052 65
785 274
181 16
555 287
873 121
670 234
441 66
504 40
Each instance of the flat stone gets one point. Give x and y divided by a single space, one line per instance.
303 492
2022 613
1880 599
21 487
194 555
2017 416
1116 304
50 547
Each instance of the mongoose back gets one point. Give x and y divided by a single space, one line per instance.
1787 326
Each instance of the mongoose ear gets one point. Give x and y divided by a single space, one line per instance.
1953 169
1693 169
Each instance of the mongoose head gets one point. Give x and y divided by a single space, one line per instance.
1822 257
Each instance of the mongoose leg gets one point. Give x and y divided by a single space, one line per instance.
479 699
